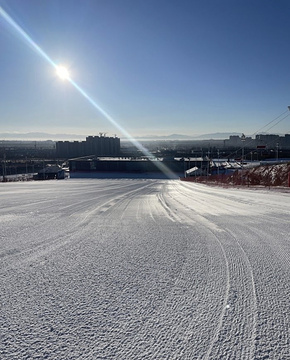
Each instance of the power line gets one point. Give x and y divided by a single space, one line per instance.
278 122
255 133
271 123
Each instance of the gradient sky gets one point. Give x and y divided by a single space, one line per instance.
156 66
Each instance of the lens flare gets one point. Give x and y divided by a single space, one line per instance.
64 74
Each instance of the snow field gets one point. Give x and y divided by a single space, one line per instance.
143 269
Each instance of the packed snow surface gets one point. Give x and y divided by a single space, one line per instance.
143 269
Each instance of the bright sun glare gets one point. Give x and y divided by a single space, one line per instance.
62 72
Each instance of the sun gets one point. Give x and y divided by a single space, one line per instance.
62 72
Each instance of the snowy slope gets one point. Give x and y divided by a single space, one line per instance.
143 269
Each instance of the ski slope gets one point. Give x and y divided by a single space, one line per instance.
143 269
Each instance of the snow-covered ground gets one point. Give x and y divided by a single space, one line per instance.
143 269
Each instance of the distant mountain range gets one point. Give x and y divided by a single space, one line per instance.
33 136
40 136
215 136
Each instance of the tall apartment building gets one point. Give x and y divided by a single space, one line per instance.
270 141
93 145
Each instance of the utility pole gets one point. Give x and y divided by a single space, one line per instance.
208 164
4 167
243 138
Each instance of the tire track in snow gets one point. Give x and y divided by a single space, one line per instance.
152 290
185 309
272 290
167 210
241 319
212 228
254 330
239 264
203 222
266 267
149 207
107 206
79 205
233 202
175 299
225 302
62 236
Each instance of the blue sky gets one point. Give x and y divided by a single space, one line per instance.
156 66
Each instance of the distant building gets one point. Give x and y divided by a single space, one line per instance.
268 141
139 165
94 145
272 141
285 141
236 142
50 172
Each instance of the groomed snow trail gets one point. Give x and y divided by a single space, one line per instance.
143 269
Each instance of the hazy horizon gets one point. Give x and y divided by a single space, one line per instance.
156 67
81 137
